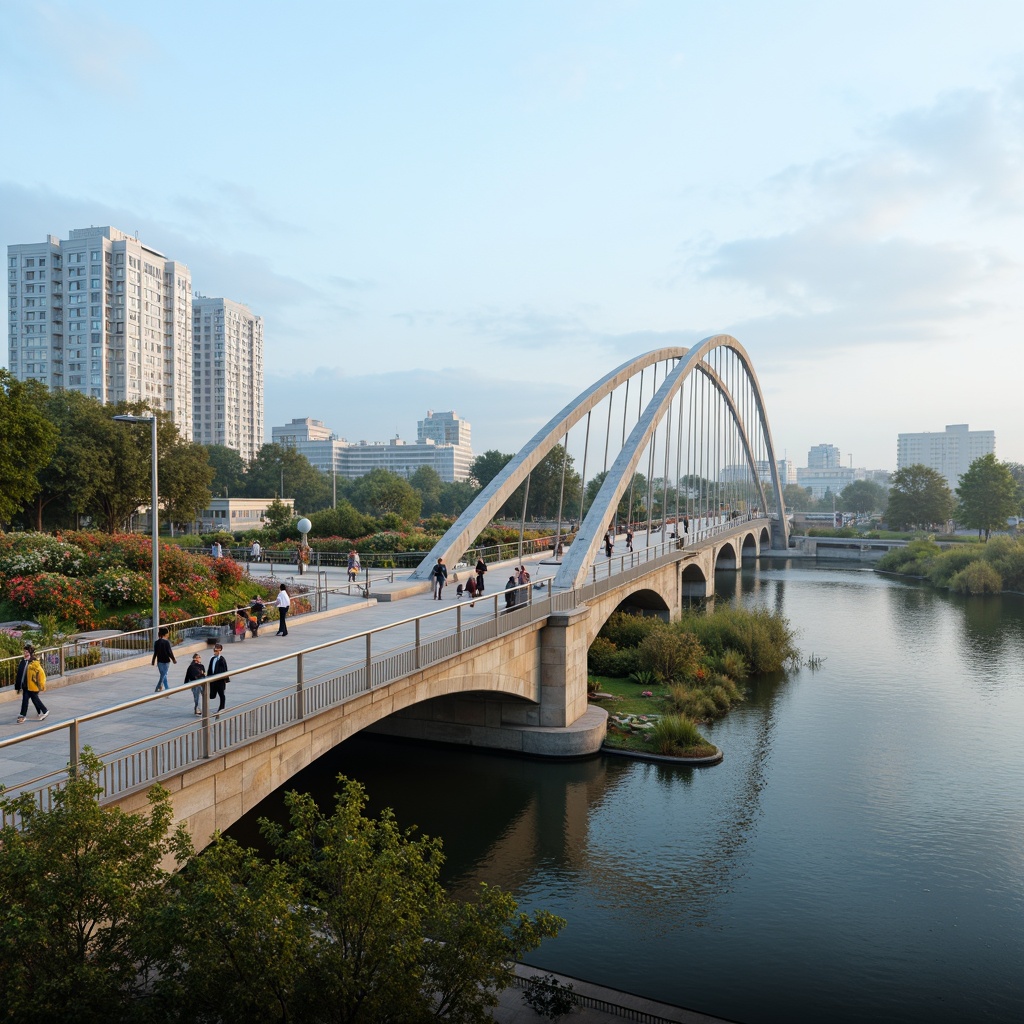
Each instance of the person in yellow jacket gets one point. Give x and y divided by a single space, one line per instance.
31 681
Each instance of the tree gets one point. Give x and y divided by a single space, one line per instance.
343 521
487 466
863 496
624 511
918 497
27 441
185 476
278 515
334 928
547 487
456 497
274 464
987 495
81 892
800 499
381 492
427 481
67 482
228 471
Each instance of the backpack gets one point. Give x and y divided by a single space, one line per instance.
38 676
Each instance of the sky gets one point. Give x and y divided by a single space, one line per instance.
485 206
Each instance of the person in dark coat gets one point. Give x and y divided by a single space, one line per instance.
30 681
439 577
218 665
163 658
194 673
481 568
511 593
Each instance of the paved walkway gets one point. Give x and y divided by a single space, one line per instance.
133 678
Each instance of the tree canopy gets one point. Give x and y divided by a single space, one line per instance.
988 495
381 492
863 496
277 464
337 927
918 498
27 441
228 471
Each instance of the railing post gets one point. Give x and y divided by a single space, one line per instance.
417 642
458 627
60 660
205 731
300 693
369 664
73 735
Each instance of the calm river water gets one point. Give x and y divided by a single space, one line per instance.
858 855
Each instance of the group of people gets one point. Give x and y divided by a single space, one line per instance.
513 593
163 657
473 588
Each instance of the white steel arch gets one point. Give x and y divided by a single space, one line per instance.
574 566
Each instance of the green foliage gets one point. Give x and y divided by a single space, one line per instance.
863 496
1007 556
606 659
671 653
27 441
629 630
228 471
980 577
706 697
917 553
918 497
380 493
333 929
677 736
944 565
548 997
988 495
342 521
81 893
644 677
762 637
311 489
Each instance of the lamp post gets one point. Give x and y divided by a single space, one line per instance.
154 516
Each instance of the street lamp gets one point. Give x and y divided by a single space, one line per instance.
154 520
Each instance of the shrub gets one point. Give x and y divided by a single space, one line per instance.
732 664
63 596
676 735
763 637
548 997
629 630
116 587
643 677
948 563
671 653
978 578
601 657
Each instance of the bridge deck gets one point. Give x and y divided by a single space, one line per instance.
135 727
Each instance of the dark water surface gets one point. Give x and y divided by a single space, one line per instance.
858 855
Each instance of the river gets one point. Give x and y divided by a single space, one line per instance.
859 854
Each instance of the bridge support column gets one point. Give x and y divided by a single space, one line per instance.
563 668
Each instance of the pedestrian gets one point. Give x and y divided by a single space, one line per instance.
511 592
218 667
440 577
283 603
215 549
30 681
629 538
243 623
257 608
194 672
471 590
481 568
163 656
353 565
608 543
255 551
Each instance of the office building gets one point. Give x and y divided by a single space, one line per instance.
227 375
824 456
443 444
104 314
949 453
311 438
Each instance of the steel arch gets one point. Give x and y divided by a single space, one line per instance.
468 526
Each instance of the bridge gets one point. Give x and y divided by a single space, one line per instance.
506 673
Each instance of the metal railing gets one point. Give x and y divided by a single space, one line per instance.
593 1003
427 641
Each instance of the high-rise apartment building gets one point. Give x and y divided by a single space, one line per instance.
227 375
950 453
104 314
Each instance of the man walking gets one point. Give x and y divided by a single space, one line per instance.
163 656
30 681
283 603
217 666
481 568
440 577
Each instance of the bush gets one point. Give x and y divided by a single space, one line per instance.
913 560
978 578
671 653
116 587
763 637
948 563
676 735
629 630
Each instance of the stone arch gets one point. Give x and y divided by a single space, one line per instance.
750 547
726 557
693 582
645 601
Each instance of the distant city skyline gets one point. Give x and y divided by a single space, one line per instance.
488 207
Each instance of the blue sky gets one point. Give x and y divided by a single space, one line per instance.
486 206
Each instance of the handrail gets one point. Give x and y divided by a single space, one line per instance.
149 761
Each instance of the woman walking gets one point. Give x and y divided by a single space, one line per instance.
194 673
30 681
283 603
